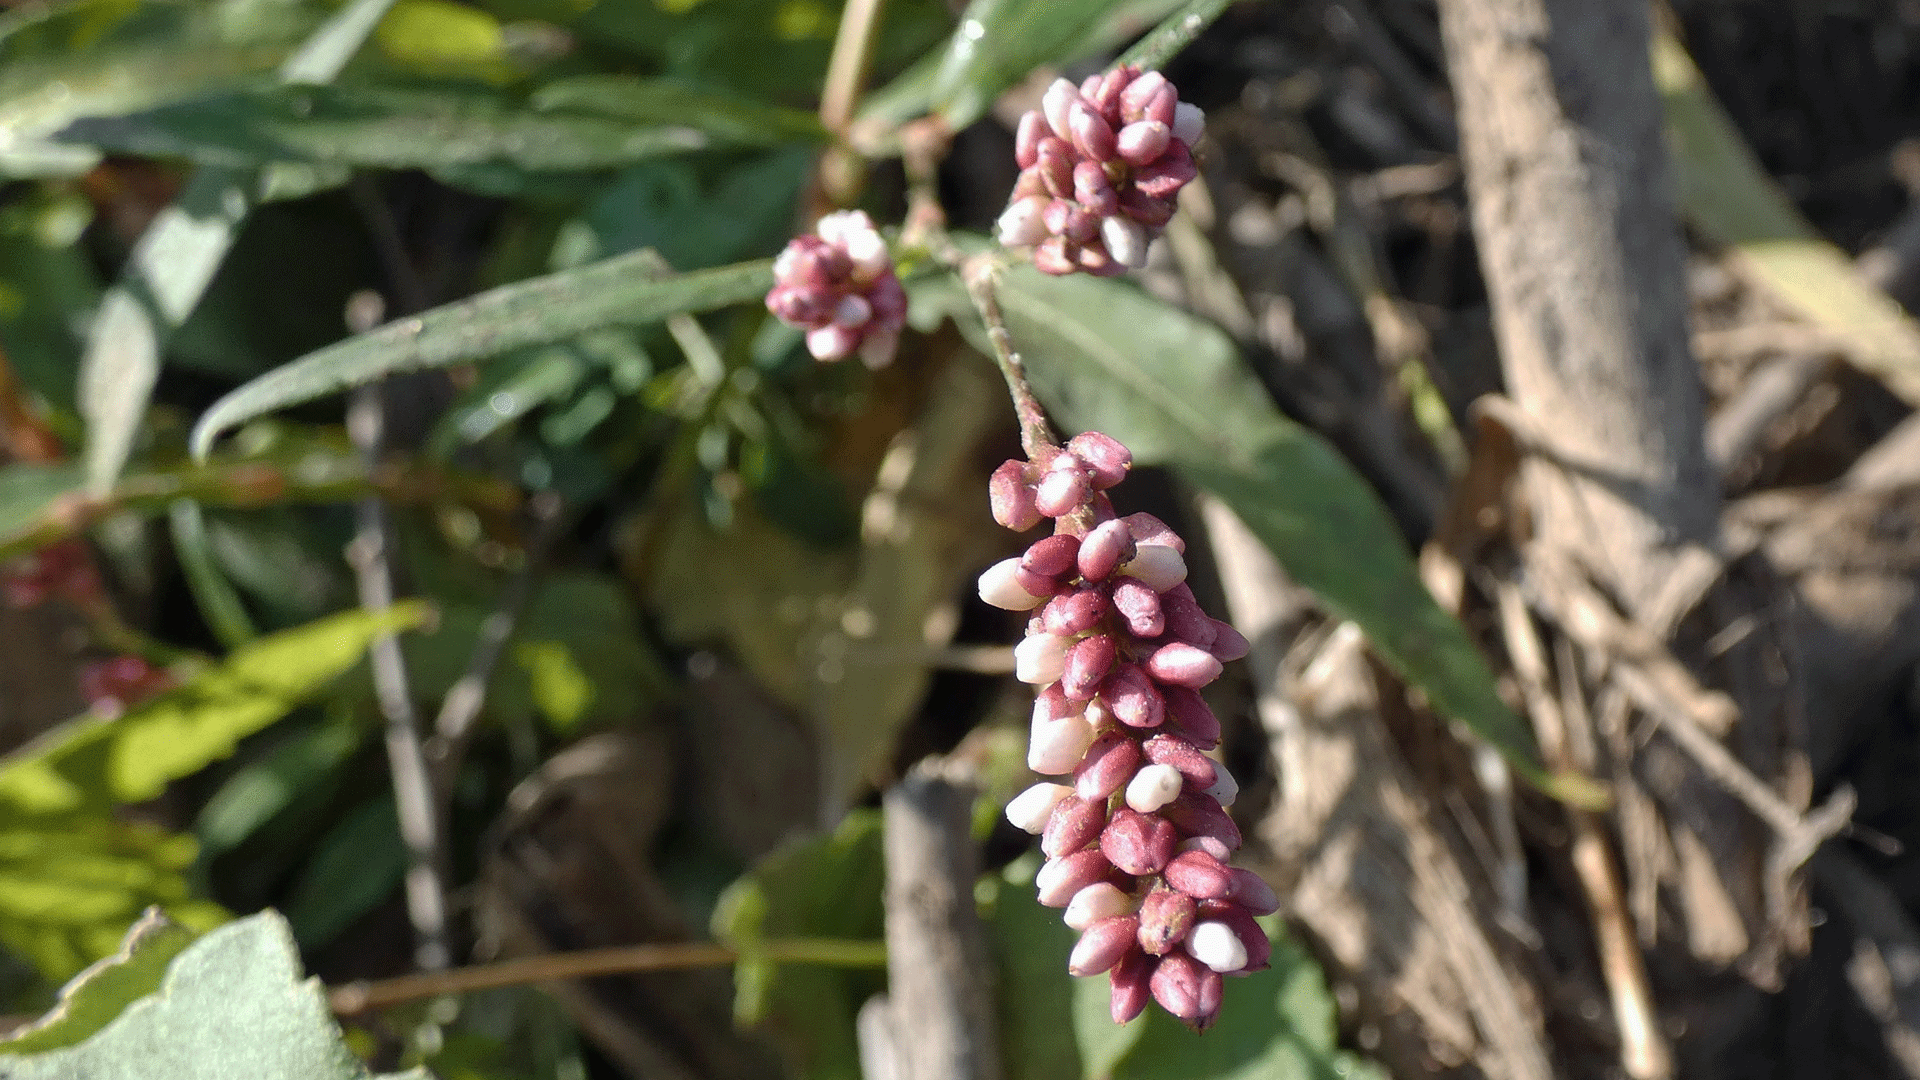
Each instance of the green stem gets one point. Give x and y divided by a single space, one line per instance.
1174 33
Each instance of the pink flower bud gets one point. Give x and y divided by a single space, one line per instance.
1026 139
1061 878
1040 585
1147 529
1055 167
1074 824
1217 946
1160 567
1040 659
1252 892
1088 662
1185 621
1138 843
1092 135
1166 176
1148 211
1139 606
1062 491
1195 768
1163 106
1197 815
1133 100
1153 787
1074 613
1111 760
1103 944
1095 902
1189 123
1106 95
1056 104
1228 643
1105 548
1000 586
1011 497
1053 555
1050 704
1106 460
1166 916
1031 809
1130 983
1187 989
1140 142
1056 256
1190 713
1094 258
1094 191
1132 698
1183 665
1199 875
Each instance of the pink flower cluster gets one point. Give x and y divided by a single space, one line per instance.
1100 166
839 286
118 683
64 569
1137 844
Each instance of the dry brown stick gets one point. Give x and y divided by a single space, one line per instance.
1644 1052
939 969
1735 430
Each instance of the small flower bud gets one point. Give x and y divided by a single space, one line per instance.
1252 937
1153 787
1148 211
1052 556
1140 142
1197 815
1011 498
1000 586
1061 878
1133 100
1021 224
1062 490
1103 944
1094 191
1104 549
1095 902
1189 123
1031 809
1185 621
1147 529
1217 946
1074 613
1088 662
1055 166
1111 761
1138 843
1192 715
1106 460
1126 240
1056 256
1208 844
1057 103
1132 698
1056 746
1026 140
1091 133
1139 606
1199 875
1172 171
1131 986
1228 643
1183 665
834 342
1104 94
1195 768
1074 824
1160 567
1163 106
1224 789
1166 917
1187 989
1252 892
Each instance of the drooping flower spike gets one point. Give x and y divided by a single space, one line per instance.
1101 164
1137 840
838 284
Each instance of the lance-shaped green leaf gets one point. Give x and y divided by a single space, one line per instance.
1103 355
623 290
232 1004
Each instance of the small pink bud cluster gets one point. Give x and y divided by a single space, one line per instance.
112 686
1100 166
840 287
64 569
1137 843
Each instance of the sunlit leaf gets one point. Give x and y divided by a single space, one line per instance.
232 1004
622 290
97 995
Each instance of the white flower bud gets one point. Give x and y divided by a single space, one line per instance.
1126 240
1189 123
1058 745
1095 902
999 587
1040 659
1153 787
1021 224
868 251
1225 788
1160 568
1031 808
852 312
1057 104
1217 946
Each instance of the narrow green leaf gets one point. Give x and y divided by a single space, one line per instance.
97 995
1173 388
357 864
1174 33
662 102
232 1004
625 290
